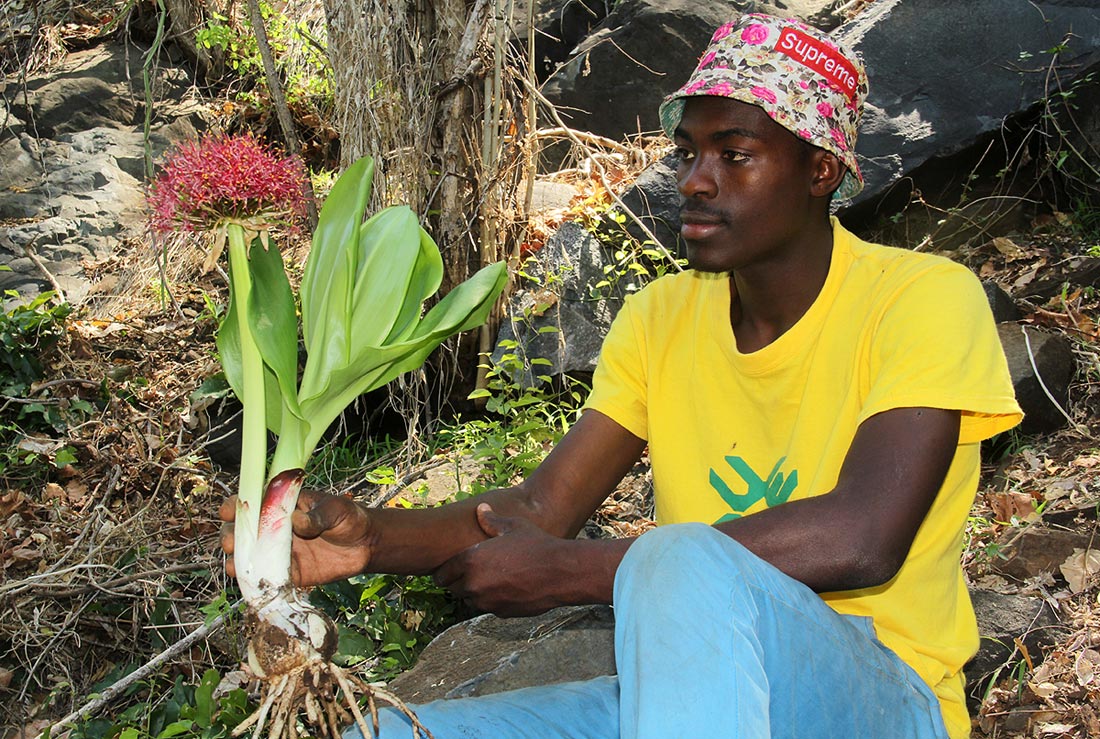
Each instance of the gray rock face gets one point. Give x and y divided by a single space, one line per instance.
566 324
71 183
1054 365
1001 620
489 654
943 73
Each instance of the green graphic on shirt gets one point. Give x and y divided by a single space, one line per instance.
776 489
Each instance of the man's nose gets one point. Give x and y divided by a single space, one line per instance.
696 179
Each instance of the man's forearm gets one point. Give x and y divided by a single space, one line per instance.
417 541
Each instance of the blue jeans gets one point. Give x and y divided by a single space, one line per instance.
710 641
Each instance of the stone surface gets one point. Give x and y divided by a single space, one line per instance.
1003 618
1056 365
489 654
73 189
565 325
1035 551
943 74
1000 302
655 199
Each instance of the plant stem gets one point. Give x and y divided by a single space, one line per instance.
254 425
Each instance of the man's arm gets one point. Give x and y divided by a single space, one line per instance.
557 498
335 537
859 534
855 536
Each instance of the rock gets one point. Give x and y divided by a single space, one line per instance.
1000 302
574 259
643 50
1056 365
655 199
75 188
489 654
1002 619
943 75
77 104
1037 550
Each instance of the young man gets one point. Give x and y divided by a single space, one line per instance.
813 406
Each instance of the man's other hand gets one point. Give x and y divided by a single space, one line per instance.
519 570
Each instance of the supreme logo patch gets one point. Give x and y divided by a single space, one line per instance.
824 60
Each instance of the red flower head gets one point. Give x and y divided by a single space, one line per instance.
221 178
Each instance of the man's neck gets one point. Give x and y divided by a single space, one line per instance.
766 300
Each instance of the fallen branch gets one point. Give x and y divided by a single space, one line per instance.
112 692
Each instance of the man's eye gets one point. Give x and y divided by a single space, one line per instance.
735 156
683 154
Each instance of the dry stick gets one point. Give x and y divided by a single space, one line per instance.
70 592
277 97
572 136
105 697
28 249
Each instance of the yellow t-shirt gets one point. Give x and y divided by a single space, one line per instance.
731 434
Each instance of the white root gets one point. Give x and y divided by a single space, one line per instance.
309 690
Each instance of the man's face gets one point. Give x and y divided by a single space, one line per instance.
745 182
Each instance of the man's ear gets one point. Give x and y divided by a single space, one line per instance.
828 171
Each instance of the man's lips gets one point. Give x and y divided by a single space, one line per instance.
697 225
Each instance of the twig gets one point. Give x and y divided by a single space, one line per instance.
28 249
105 697
70 592
1031 357
571 135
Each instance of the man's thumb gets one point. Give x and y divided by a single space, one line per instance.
492 524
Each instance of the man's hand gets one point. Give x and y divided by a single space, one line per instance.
519 571
331 538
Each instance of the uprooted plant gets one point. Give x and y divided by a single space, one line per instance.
362 324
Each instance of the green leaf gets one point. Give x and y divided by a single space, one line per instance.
274 320
228 342
204 698
326 278
385 270
424 281
173 729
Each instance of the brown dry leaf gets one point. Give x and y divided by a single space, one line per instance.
1043 690
1087 666
987 270
1079 567
53 491
1009 248
1007 506
10 502
1088 461
1054 729
76 491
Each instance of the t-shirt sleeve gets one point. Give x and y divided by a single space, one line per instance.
936 346
619 383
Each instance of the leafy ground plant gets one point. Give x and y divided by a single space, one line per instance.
362 324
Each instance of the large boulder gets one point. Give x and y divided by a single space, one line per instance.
943 75
71 185
489 654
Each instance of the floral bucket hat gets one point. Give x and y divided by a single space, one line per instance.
799 76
